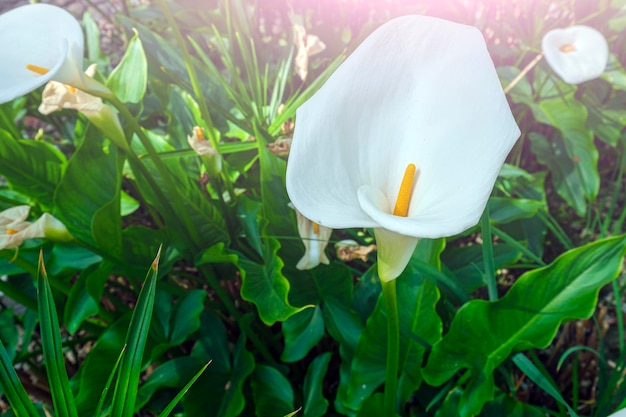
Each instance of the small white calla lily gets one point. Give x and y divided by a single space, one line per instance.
620 413
418 102
39 43
210 156
14 228
58 96
315 239
577 53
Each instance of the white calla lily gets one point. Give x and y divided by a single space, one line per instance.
418 91
620 413
39 43
306 46
14 228
315 239
577 53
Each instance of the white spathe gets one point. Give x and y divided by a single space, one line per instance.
45 36
620 413
577 53
14 228
419 90
315 239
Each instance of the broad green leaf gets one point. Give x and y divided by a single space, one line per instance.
128 204
13 389
468 266
68 259
315 405
129 79
483 334
92 213
127 384
302 332
417 298
577 179
264 285
272 392
374 406
62 397
220 388
85 294
32 168
506 210
92 376
178 321
204 220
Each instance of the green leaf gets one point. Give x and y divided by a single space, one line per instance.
264 285
124 397
468 265
129 79
272 392
572 156
32 168
302 332
417 298
92 39
220 388
315 405
13 389
92 376
9 336
483 334
505 210
177 322
92 213
62 397
84 298
170 407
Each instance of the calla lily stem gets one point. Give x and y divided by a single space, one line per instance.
488 262
393 346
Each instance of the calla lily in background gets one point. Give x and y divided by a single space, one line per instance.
407 136
57 96
620 413
39 43
306 46
14 228
211 158
315 239
577 54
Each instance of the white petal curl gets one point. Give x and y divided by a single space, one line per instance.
585 56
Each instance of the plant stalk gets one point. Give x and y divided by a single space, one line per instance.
393 346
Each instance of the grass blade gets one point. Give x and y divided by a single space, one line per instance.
167 410
105 391
13 389
62 397
127 384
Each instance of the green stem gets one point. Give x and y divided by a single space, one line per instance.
490 277
393 346
620 316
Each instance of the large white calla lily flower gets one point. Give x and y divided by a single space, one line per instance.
39 43
419 103
14 228
577 53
